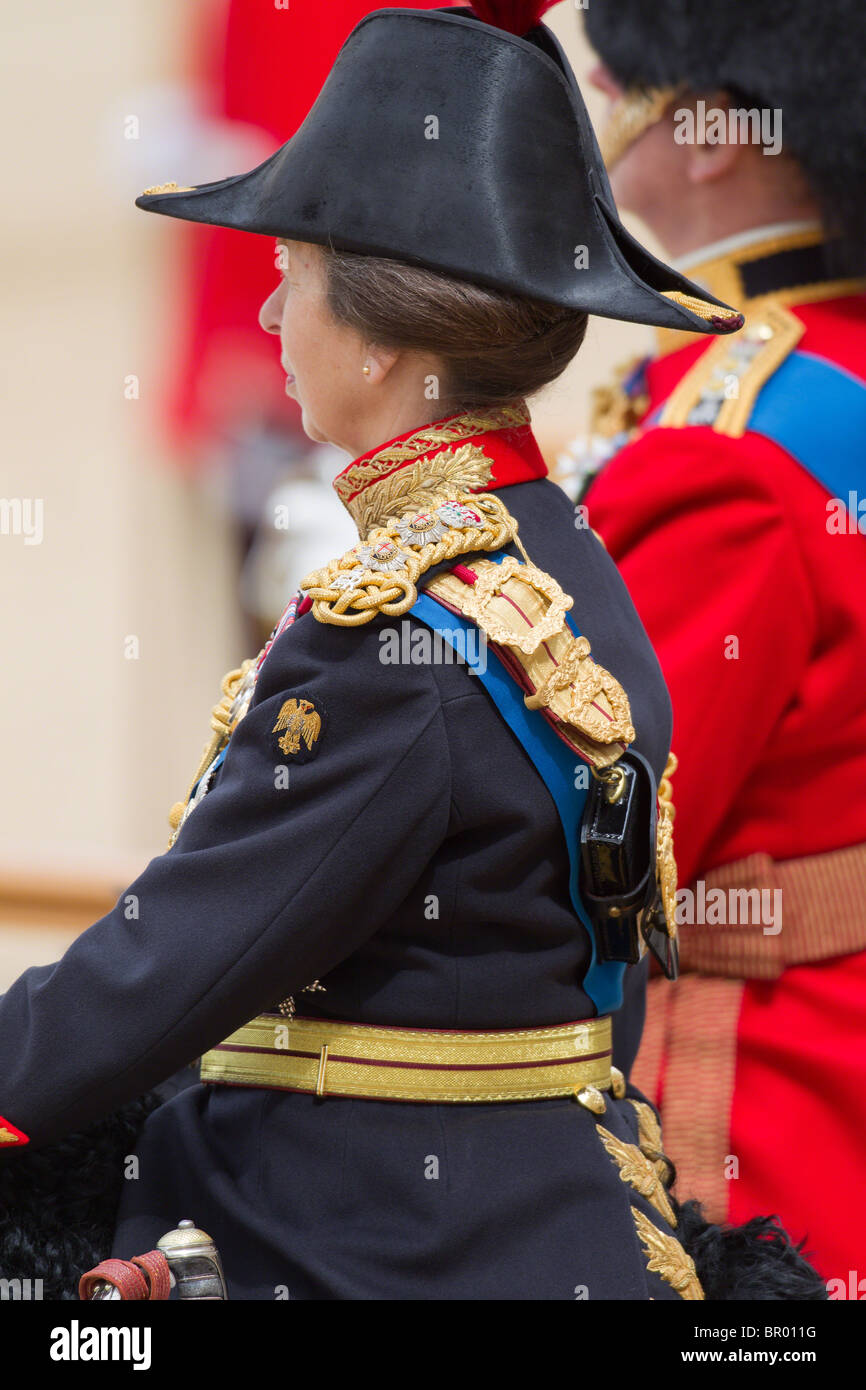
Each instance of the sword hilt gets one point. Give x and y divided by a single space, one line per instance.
194 1262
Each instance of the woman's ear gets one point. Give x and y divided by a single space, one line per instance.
379 360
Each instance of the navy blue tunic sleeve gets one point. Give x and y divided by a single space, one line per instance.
286 866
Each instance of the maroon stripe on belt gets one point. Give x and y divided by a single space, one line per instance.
416 1066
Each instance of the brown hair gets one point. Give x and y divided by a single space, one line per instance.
496 347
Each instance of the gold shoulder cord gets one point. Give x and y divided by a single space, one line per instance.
237 688
381 576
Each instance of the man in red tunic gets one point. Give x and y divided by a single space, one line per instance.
728 480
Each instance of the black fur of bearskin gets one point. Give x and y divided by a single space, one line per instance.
792 55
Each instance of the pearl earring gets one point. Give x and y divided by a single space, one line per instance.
366 371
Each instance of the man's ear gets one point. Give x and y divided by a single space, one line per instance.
380 360
706 163
712 156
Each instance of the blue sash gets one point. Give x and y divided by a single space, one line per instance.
816 411
555 762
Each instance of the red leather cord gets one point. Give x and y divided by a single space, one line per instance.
126 1278
155 1266
145 1277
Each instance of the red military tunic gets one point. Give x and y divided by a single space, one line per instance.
754 595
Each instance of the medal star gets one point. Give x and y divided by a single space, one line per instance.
385 558
459 515
421 529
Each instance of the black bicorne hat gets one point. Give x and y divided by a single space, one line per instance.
446 141
795 56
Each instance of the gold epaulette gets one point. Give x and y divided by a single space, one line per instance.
515 605
381 575
721 388
522 610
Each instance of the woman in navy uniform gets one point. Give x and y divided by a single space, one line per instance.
372 925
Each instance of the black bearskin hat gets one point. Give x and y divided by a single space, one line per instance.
802 58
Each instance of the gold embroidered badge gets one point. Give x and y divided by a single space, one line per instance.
300 720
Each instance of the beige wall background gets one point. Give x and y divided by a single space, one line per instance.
95 746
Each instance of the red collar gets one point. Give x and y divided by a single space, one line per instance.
474 451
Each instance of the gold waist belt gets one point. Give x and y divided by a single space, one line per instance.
420 1064
772 914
